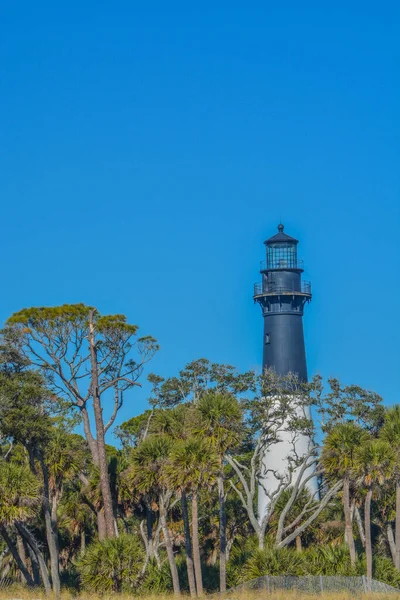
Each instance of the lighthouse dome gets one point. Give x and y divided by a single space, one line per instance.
281 237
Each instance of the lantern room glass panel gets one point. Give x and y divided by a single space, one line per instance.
281 256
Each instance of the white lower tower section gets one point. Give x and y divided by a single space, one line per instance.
275 465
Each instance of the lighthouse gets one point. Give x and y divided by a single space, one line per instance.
282 295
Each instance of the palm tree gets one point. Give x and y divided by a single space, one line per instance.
338 460
193 465
147 472
221 422
172 423
391 433
19 502
373 465
62 458
385 514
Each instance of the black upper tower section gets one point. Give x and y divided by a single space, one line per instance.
282 295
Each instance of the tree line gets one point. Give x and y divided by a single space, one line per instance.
173 504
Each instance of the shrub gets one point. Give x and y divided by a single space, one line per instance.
240 553
210 577
272 561
113 565
329 560
157 579
385 571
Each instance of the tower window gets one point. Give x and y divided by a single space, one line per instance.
267 338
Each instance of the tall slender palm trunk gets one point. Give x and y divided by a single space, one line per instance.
368 541
188 546
170 551
149 530
196 545
360 526
83 540
21 549
222 534
101 524
391 542
397 531
34 565
348 521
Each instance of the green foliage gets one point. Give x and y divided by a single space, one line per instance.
210 577
385 571
198 426
303 500
220 419
19 493
192 464
112 566
390 430
329 560
56 340
51 316
156 580
241 552
109 323
197 378
272 561
375 461
24 416
74 513
131 432
148 460
351 403
323 560
66 455
340 447
172 422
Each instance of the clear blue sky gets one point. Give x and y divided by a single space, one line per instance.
148 149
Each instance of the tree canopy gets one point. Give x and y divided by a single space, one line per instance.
170 503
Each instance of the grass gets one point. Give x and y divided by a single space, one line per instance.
21 593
